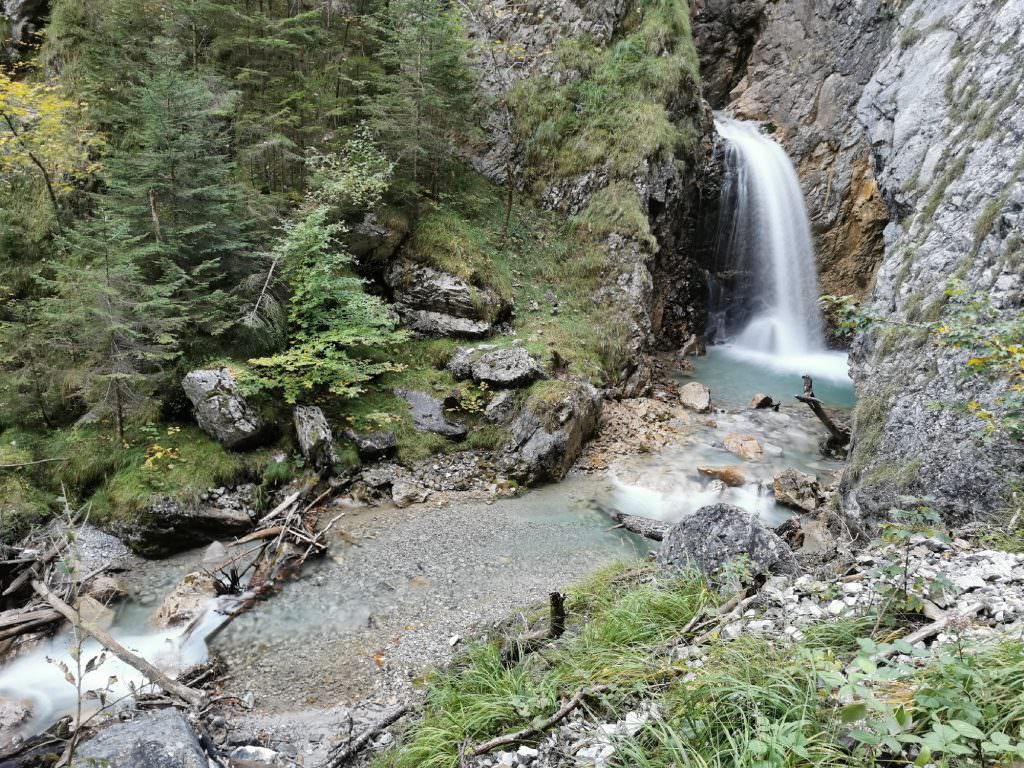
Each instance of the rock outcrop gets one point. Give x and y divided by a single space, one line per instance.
24 18
161 739
499 367
548 434
220 409
718 534
315 438
436 303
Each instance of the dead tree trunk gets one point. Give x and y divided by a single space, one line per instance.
839 435
515 650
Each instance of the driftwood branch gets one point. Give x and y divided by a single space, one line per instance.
194 698
345 752
840 434
642 526
29 463
528 733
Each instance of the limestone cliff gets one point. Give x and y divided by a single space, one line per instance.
905 121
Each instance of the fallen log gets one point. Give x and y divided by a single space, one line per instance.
642 526
840 435
345 752
192 697
529 733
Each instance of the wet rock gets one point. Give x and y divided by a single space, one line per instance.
548 435
797 490
214 555
501 408
13 714
23 20
696 397
744 446
106 589
762 401
94 612
187 600
373 446
428 415
220 409
314 435
171 525
161 739
499 367
731 476
718 534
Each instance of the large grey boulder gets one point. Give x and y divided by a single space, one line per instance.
161 739
428 415
168 525
436 303
314 435
499 367
373 446
220 409
550 431
719 534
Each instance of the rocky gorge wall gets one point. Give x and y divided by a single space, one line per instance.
905 122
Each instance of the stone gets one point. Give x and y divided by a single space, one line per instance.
187 600
761 401
731 476
94 612
14 713
214 555
502 407
106 589
373 446
428 415
160 739
744 446
405 492
548 435
718 534
314 436
440 324
169 525
797 490
252 755
696 397
220 409
498 367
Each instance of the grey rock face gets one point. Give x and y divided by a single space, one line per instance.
220 409
545 445
314 435
725 32
720 533
944 113
373 446
24 18
501 408
436 303
168 525
161 739
696 397
428 415
501 367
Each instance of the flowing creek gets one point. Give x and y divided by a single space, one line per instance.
401 587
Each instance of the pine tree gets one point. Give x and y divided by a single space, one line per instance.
171 182
117 329
423 98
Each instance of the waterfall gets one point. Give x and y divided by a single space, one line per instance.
764 245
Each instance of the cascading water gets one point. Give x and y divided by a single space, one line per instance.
765 251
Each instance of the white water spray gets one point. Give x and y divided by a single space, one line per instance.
765 236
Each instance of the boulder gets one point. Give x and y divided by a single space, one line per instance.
719 533
168 525
14 714
371 241
501 408
696 397
797 490
436 303
220 409
373 446
762 400
187 600
549 433
106 589
93 611
731 476
744 446
428 415
314 435
499 367
160 739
